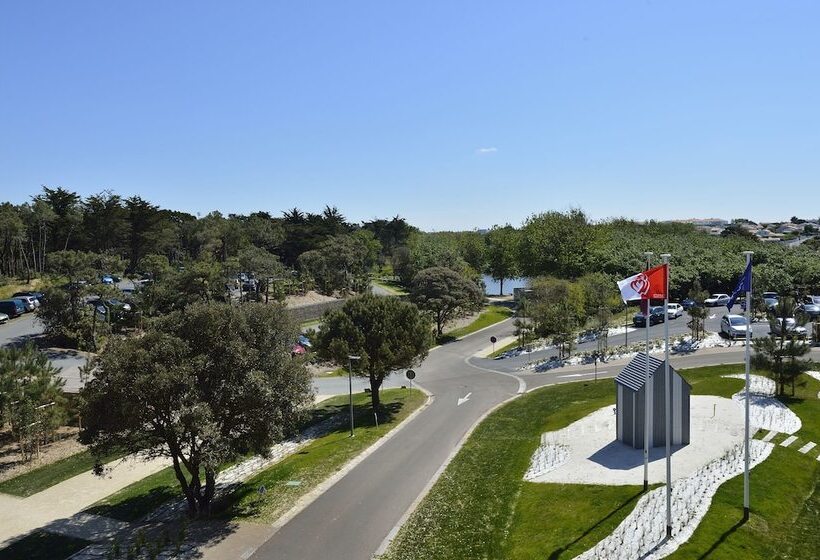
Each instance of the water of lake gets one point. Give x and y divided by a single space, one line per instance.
491 286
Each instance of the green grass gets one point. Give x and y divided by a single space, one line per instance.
7 290
471 510
505 348
338 372
391 286
40 545
140 498
312 324
785 503
491 315
319 459
39 479
482 508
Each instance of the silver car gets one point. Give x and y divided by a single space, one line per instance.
810 305
734 326
3 318
792 328
29 302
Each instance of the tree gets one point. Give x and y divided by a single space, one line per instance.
444 294
502 254
202 387
386 333
780 354
264 265
31 397
557 244
557 309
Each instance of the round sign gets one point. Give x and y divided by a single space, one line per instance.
493 339
411 374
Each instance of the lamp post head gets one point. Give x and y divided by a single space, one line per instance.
648 254
665 257
748 253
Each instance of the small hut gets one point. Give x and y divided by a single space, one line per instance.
631 390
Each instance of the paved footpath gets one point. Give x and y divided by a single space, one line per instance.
56 509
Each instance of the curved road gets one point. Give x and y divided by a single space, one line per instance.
355 516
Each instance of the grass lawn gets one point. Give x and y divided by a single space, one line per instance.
321 458
391 286
7 290
489 316
40 544
311 465
482 508
39 479
140 498
338 372
312 324
505 348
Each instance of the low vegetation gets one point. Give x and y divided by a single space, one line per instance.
40 544
482 508
37 480
287 481
489 316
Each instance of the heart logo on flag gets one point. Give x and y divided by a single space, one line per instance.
640 284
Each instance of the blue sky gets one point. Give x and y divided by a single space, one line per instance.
454 115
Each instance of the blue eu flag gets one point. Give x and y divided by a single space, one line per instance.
743 285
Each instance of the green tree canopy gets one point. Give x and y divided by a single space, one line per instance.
503 246
386 333
444 294
203 386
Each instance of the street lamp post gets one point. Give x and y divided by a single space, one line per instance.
350 360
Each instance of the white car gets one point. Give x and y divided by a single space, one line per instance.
716 300
674 310
734 326
3 318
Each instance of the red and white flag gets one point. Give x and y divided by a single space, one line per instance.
649 284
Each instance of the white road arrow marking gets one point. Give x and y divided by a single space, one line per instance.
463 399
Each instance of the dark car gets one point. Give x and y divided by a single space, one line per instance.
12 307
688 304
656 315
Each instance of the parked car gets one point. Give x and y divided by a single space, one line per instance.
716 300
675 310
810 305
107 280
770 299
688 304
792 328
3 318
117 307
12 307
655 316
28 302
39 297
734 326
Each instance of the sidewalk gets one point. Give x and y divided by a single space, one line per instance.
55 505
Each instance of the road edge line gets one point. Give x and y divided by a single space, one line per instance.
325 485
522 384
426 490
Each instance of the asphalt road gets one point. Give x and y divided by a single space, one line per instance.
354 516
677 327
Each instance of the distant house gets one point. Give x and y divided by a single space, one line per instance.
631 391
789 228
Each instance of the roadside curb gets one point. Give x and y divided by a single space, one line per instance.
426 490
324 486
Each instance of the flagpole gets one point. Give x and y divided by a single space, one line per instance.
746 426
668 394
647 392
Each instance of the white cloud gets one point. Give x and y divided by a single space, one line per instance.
486 151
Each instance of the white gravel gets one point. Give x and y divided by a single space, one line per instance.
642 533
547 457
765 412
